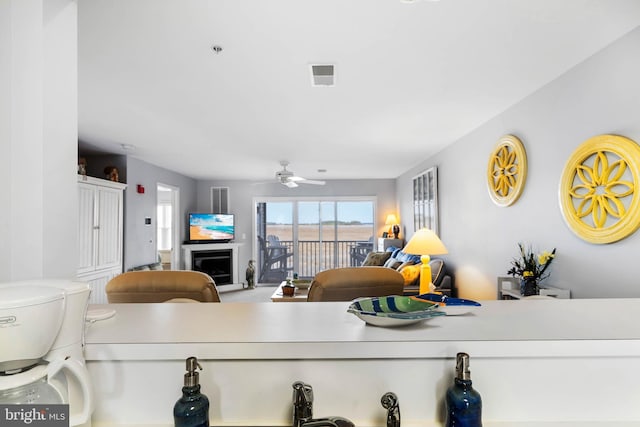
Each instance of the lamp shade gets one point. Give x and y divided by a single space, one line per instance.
391 220
425 242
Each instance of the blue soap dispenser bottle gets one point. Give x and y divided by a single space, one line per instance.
464 404
192 409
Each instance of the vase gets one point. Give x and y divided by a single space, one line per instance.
529 286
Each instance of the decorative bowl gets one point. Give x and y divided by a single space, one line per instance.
393 310
451 306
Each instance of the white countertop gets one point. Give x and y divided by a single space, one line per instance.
271 331
551 363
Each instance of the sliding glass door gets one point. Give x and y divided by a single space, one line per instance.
313 234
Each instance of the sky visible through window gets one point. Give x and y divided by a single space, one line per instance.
282 212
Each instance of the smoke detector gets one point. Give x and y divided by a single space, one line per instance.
322 75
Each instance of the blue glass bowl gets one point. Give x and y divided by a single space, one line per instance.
393 310
451 306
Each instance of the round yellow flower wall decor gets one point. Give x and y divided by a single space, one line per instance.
598 189
507 171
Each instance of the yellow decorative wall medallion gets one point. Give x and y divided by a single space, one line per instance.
507 171
599 189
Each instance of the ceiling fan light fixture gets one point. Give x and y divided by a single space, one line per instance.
289 179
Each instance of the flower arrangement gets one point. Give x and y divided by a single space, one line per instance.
530 265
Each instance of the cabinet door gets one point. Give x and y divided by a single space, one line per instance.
109 219
86 228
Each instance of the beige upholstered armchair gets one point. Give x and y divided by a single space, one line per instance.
346 284
161 286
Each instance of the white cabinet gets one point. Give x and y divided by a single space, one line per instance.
100 233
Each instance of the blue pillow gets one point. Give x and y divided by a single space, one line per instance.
404 257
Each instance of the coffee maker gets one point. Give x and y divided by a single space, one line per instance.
41 345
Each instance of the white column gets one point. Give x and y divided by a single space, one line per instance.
38 127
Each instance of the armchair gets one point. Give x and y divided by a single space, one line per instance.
348 283
161 286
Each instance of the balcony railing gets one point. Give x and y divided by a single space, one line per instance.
314 256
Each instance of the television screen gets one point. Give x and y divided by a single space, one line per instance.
207 227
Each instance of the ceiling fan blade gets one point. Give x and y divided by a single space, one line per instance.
302 180
290 184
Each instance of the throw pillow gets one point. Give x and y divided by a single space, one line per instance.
410 273
405 264
376 258
392 263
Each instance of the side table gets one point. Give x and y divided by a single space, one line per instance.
299 295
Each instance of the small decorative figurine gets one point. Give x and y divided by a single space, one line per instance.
111 173
250 275
82 167
396 231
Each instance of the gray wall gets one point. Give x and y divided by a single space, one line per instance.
601 95
140 239
242 193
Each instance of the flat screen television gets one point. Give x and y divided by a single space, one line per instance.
211 227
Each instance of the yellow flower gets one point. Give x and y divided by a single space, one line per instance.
527 274
544 257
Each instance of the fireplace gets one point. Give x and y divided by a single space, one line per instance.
216 263
219 260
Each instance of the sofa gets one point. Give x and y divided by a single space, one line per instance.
409 267
162 286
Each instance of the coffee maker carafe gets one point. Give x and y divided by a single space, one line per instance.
41 343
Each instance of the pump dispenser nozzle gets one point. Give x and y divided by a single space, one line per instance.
462 367
192 377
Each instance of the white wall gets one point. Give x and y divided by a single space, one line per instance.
601 95
39 137
6 50
242 193
140 239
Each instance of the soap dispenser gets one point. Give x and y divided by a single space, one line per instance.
192 409
464 404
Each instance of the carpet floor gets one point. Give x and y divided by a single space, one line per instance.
261 293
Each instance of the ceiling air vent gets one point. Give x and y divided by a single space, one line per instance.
322 75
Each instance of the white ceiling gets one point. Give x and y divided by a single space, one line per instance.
411 78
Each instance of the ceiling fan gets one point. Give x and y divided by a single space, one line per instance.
287 177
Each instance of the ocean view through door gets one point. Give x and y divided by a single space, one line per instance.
305 236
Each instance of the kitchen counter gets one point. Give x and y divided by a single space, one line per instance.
533 361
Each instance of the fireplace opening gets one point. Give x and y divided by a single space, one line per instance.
216 263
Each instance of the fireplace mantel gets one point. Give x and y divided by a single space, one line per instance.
189 249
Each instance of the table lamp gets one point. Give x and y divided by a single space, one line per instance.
392 222
425 243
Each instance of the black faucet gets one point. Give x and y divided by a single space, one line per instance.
303 410
302 403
